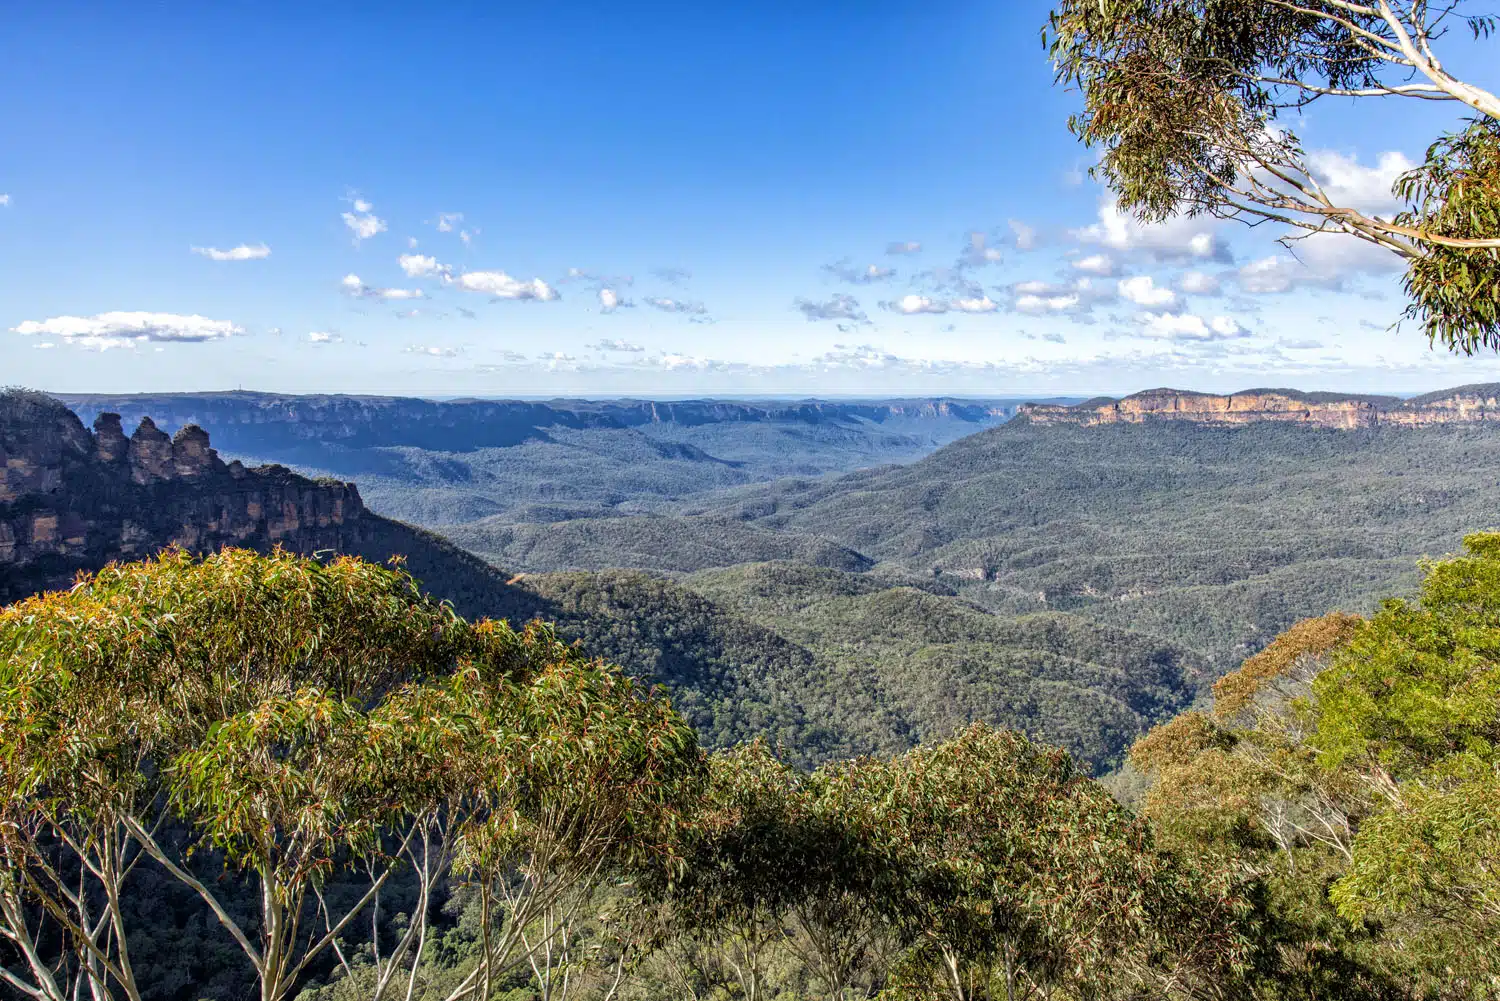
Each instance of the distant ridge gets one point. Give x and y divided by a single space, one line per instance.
1460 405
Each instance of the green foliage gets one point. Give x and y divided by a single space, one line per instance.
1413 703
1354 764
309 723
1191 105
1455 193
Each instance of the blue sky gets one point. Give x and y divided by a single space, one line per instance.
657 198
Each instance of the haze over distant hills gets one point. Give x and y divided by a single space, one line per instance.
438 462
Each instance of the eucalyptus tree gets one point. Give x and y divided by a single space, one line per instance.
1411 704
1011 874
305 721
1192 106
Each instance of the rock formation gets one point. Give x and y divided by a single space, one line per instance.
71 500
1464 404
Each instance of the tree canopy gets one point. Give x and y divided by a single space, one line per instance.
1191 105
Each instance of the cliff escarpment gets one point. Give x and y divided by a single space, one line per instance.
71 499
1461 405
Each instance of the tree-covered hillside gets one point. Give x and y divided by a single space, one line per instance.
1214 538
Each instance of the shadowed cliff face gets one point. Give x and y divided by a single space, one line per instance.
1465 404
71 500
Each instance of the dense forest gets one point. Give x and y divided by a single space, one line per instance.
1213 537
280 777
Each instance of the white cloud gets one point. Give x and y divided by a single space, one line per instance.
244 252
1322 260
1179 238
1198 283
982 304
431 352
676 306
4 201
1096 264
1024 236
1348 184
1039 304
839 307
357 288
447 221
121 329
618 345
503 286
421 265
1270 275
903 247
1142 291
1078 296
324 337
845 271
610 300
913 304
1191 327
363 222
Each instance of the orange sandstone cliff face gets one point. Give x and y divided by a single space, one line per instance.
1466 404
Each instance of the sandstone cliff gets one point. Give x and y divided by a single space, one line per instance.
1464 404
73 500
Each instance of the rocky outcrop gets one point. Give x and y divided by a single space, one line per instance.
71 500
1464 404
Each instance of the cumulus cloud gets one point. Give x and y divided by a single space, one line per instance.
1198 283
1300 345
1143 291
500 285
1054 338
122 329
431 351
1348 183
1324 260
980 304
1037 305
840 307
244 252
324 337
1180 238
1096 264
1023 236
352 285
913 304
610 300
4 201
448 221
676 306
845 271
1191 327
1040 298
903 247
421 266
624 347
363 222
